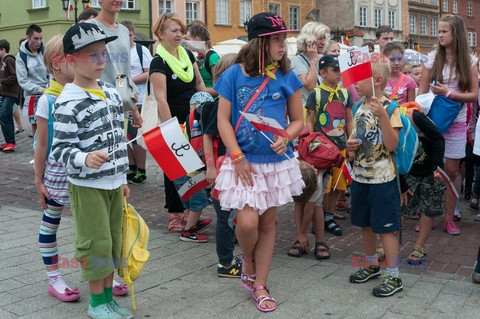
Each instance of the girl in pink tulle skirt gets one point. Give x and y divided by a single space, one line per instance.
259 175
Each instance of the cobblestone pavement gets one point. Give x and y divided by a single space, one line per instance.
179 280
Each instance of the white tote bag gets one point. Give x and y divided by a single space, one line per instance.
149 115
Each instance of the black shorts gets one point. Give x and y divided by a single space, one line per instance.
376 206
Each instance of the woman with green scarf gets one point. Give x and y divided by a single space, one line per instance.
175 77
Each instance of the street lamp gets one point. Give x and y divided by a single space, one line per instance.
410 44
65 4
245 23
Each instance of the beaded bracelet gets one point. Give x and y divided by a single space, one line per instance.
238 159
236 153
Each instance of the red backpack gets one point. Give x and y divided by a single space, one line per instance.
318 150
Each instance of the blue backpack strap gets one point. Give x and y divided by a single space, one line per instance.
391 108
356 106
23 56
139 53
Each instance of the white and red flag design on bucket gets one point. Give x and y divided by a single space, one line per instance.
355 65
266 124
171 150
193 186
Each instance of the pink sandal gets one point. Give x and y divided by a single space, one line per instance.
175 223
69 295
246 278
261 299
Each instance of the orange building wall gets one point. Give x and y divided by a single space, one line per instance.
236 29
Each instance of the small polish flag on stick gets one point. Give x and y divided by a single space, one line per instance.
169 147
448 182
355 65
266 124
193 186
69 8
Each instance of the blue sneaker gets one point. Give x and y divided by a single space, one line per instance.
102 312
119 309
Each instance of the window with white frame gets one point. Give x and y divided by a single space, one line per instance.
455 6
413 25
221 12
165 6
423 25
191 11
434 2
245 11
470 10
36 4
433 27
445 6
274 8
392 19
378 17
472 39
127 4
423 1
363 16
294 18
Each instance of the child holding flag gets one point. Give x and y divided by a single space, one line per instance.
199 200
259 176
329 111
374 190
50 177
88 125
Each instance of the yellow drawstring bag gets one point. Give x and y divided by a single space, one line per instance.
134 253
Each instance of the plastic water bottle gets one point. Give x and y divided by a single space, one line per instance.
196 129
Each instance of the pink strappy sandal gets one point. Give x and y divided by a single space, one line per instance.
262 298
246 278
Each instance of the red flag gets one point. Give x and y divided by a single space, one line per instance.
347 42
88 5
69 8
355 66
347 171
169 147
193 186
266 124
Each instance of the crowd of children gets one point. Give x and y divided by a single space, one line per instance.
81 154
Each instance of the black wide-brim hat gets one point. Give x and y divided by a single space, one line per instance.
81 35
266 23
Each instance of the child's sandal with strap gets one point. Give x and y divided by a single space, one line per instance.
246 278
417 256
262 298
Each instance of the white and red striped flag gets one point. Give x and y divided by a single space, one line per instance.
266 124
69 9
193 186
169 147
355 65
448 183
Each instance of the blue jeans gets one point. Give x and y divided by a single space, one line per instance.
224 235
6 118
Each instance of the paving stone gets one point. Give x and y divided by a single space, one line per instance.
456 287
447 303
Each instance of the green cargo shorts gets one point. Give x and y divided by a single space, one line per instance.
98 218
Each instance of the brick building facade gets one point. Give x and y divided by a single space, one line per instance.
421 27
469 10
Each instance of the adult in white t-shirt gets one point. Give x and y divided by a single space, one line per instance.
140 66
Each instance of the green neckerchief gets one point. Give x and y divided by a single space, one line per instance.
332 92
182 66
55 88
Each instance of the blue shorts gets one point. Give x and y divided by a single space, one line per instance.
376 206
198 201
